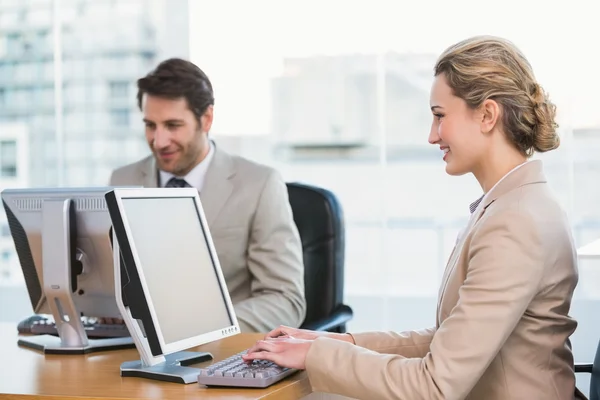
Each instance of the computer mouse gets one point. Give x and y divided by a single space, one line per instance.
25 325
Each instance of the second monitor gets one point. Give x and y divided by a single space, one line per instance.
174 295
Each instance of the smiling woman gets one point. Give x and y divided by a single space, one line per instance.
496 91
509 281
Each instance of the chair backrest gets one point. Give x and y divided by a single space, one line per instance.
320 221
595 378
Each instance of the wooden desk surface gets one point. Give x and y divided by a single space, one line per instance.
26 373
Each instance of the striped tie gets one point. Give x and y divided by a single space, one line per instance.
177 183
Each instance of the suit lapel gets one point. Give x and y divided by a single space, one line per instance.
149 172
217 184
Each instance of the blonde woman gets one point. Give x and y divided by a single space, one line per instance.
502 324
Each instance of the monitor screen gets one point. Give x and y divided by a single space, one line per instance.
173 252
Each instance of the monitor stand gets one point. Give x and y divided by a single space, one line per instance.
61 269
174 367
49 344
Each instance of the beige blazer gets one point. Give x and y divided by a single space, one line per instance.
251 223
502 324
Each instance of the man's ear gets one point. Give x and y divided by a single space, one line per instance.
207 119
490 114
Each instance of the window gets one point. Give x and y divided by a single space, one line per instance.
13 43
8 18
8 158
6 71
5 231
8 171
119 90
3 45
119 117
47 71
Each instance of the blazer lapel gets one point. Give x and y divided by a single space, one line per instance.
217 184
453 259
532 172
149 173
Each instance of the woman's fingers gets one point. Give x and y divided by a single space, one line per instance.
264 345
261 355
279 331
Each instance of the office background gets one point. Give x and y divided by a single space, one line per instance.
331 93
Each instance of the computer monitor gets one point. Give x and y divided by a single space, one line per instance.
62 237
174 295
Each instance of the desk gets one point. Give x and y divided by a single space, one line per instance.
25 374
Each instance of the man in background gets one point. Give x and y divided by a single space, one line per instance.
246 204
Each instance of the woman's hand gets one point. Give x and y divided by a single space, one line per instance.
283 351
287 332
287 347
305 334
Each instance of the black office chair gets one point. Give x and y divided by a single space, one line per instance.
593 369
320 221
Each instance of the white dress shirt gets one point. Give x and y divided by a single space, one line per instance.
195 177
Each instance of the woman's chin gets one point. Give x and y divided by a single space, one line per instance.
454 170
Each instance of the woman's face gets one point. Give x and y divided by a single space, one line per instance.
456 129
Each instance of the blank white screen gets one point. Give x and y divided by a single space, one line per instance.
179 272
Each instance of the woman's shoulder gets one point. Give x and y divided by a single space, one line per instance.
529 213
530 202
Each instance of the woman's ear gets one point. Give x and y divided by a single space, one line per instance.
490 113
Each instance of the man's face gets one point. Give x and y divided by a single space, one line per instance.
177 140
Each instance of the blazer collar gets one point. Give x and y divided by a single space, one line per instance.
531 172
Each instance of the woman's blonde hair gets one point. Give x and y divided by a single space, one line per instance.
486 67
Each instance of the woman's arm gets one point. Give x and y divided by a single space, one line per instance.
408 344
506 265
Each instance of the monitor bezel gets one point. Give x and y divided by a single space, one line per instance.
158 193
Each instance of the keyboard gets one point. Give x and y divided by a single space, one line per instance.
40 325
233 371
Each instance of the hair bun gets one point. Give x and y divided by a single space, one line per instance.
545 137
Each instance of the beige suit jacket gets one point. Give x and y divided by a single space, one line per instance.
252 227
502 328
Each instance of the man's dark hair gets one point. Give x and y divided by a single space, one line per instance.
175 78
